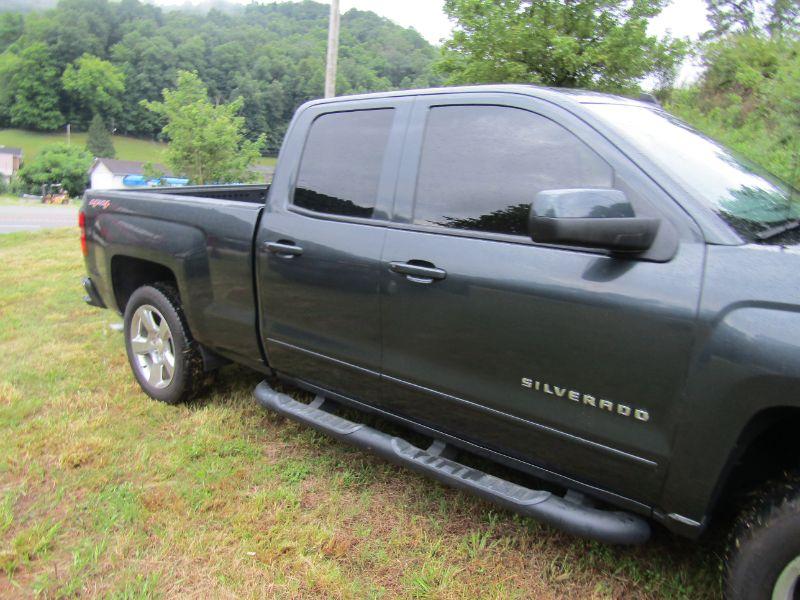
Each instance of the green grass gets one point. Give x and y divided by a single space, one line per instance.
105 493
127 148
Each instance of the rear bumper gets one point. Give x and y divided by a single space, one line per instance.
92 297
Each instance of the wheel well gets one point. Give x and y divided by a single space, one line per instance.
129 274
768 446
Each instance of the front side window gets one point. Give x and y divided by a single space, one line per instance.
481 167
341 165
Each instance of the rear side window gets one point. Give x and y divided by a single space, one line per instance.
341 164
481 167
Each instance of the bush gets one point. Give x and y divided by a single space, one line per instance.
56 163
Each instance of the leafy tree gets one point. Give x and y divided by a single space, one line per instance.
600 44
56 163
99 142
206 141
727 16
94 86
29 87
11 28
748 98
272 55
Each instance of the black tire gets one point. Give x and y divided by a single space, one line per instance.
764 541
187 377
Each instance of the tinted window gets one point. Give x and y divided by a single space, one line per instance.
341 164
481 167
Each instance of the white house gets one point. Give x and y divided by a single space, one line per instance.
10 159
110 173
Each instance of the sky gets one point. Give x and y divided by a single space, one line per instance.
682 18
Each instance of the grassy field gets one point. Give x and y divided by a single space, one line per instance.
104 492
127 148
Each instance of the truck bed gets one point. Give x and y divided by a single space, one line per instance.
204 237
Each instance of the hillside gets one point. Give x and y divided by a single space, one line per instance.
272 55
127 148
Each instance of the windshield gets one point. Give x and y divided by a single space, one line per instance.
750 200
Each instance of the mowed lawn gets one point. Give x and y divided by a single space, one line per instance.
104 492
127 148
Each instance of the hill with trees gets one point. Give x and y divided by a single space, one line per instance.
86 57
749 93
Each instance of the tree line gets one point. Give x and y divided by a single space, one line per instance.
257 63
87 57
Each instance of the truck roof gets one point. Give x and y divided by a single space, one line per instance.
552 94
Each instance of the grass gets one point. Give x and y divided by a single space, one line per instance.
127 148
105 493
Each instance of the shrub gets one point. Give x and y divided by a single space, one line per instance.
56 163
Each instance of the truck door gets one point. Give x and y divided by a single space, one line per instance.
319 243
569 359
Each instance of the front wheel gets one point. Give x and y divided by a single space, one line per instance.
764 550
163 356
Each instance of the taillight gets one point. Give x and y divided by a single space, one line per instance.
82 225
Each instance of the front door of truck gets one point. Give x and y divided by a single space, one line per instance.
569 359
319 243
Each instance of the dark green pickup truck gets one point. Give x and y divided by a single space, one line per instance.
577 286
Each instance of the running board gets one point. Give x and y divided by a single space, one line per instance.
570 513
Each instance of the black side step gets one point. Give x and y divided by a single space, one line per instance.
567 513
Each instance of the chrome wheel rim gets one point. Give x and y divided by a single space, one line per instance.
152 346
786 587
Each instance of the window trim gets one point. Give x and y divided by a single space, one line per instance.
308 212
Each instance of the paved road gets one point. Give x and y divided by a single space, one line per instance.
36 216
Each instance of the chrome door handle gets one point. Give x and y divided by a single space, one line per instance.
283 249
418 273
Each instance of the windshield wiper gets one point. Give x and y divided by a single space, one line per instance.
775 231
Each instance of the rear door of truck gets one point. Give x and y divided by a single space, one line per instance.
319 245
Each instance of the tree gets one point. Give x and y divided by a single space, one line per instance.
29 89
56 163
99 142
207 142
601 44
775 17
728 16
747 97
94 86
272 55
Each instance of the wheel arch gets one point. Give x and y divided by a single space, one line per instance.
129 273
768 445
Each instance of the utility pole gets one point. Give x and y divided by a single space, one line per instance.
333 51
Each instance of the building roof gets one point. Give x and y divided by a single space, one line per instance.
10 150
127 167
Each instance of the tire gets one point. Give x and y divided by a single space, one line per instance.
164 358
763 561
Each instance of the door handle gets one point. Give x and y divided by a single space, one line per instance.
284 249
418 271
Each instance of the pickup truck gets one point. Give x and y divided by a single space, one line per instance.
576 286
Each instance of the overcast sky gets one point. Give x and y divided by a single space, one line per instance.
682 18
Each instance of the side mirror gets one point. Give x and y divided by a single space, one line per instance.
590 218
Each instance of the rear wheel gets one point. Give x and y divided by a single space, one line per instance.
764 549
163 356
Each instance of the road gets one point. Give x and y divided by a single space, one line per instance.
37 216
